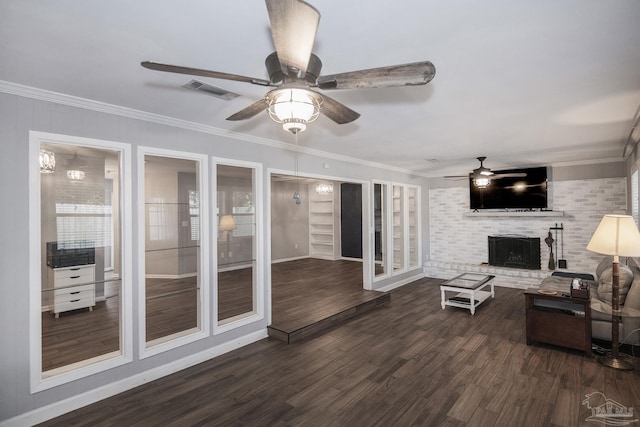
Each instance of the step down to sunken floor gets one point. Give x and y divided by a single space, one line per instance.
295 332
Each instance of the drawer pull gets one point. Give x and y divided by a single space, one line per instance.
74 293
74 269
74 277
74 300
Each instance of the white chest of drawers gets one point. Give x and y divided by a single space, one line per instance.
74 288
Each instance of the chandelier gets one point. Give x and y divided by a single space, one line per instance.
324 189
293 107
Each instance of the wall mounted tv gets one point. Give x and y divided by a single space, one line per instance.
528 192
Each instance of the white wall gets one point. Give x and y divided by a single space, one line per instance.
457 238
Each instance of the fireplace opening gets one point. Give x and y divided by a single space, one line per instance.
514 252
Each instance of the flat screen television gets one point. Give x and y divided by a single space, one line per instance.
528 192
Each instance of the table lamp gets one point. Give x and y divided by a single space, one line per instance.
227 224
616 235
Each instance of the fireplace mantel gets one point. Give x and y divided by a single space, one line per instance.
515 213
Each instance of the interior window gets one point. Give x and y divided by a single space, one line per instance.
236 242
81 289
173 265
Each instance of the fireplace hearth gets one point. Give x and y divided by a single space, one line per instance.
514 252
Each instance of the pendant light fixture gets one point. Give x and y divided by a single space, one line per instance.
74 166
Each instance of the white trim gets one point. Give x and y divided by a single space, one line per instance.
38 380
295 258
387 208
170 276
367 251
400 283
87 104
418 219
258 313
179 339
78 401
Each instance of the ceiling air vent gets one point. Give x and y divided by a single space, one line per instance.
211 90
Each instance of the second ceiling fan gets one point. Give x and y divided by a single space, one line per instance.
293 70
482 175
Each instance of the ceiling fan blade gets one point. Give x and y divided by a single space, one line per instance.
250 111
204 73
294 24
337 111
509 175
456 176
417 73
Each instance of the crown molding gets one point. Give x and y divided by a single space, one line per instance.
102 107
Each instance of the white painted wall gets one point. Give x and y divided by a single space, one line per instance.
456 238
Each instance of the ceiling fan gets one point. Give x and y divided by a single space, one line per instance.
293 70
482 175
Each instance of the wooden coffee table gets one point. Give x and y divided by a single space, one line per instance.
468 288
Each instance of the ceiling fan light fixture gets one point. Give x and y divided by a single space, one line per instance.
481 182
293 108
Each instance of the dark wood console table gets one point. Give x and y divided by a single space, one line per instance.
558 320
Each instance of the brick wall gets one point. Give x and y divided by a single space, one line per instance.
458 242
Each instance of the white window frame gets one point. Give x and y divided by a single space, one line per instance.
388 230
258 312
204 309
101 363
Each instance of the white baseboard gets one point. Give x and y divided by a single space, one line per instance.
400 283
295 258
75 402
170 276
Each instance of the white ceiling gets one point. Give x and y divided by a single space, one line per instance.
524 83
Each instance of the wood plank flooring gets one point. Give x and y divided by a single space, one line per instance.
311 295
408 363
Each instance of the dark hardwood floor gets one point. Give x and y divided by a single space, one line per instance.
82 334
408 363
310 295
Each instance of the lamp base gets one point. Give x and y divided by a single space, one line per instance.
616 363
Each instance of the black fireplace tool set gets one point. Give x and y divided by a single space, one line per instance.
562 262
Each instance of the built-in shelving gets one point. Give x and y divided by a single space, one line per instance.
412 210
321 225
398 227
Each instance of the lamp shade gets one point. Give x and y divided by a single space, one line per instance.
616 235
227 223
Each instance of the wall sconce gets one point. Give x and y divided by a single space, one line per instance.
47 161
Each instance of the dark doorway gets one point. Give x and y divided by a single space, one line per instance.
351 220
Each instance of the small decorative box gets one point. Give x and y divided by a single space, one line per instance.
579 289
